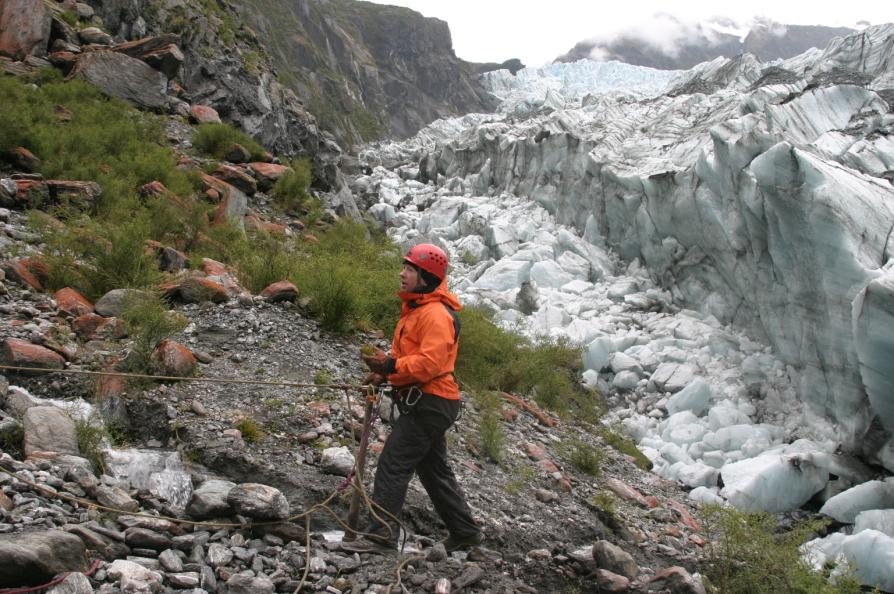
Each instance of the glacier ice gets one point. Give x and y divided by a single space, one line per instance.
845 506
773 483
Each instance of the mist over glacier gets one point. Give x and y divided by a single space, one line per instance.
720 241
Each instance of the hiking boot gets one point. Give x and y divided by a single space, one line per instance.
453 543
368 544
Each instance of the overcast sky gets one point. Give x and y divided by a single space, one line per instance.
496 30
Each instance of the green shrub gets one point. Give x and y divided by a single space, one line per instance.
251 431
214 140
624 445
605 505
490 427
491 358
91 435
322 377
521 477
148 322
746 553
266 259
290 193
584 456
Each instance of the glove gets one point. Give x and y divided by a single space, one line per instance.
373 379
379 362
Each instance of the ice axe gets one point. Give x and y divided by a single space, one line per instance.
360 463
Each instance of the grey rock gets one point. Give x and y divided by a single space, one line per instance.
35 558
133 576
17 402
94 35
115 498
338 461
75 583
258 501
171 561
49 429
210 499
119 75
188 579
114 302
243 584
615 559
145 538
219 554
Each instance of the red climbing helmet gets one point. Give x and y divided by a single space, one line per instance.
429 258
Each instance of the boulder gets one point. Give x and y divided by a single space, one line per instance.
21 353
676 580
204 114
18 270
36 557
71 302
169 259
338 461
115 301
257 501
233 203
49 429
119 75
237 178
197 290
146 539
608 581
268 174
209 500
133 577
24 28
160 52
23 159
615 559
173 359
91 326
280 291
94 36
74 583
115 498
237 154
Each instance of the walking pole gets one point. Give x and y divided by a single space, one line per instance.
354 509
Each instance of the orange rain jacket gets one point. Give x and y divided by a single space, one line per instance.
424 346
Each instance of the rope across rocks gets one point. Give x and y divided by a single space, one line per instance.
372 507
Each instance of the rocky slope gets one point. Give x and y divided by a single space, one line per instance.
703 42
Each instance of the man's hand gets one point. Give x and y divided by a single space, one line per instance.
379 362
373 379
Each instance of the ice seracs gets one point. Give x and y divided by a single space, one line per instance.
722 253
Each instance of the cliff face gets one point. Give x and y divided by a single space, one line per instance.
365 70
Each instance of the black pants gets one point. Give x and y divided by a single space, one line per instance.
417 444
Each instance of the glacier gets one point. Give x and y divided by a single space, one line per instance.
719 241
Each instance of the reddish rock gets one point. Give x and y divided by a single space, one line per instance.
18 271
153 189
509 414
173 359
94 36
625 491
24 354
676 580
233 202
109 386
549 466
65 60
160 52
213 267
267 173
320 408
535 452
685 517
24 28
311 238
72 303
563 484
607 581
237 178
652 501
196 290
93 326
203 114
212 195
32 193
377 447
23 159
696 539
280 291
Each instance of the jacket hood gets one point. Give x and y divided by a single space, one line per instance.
440 294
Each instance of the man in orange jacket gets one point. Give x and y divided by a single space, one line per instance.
420 366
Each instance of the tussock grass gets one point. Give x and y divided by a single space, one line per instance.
583 456
491 358
748 553
214 140
148 322
290 193
490 427
251 431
